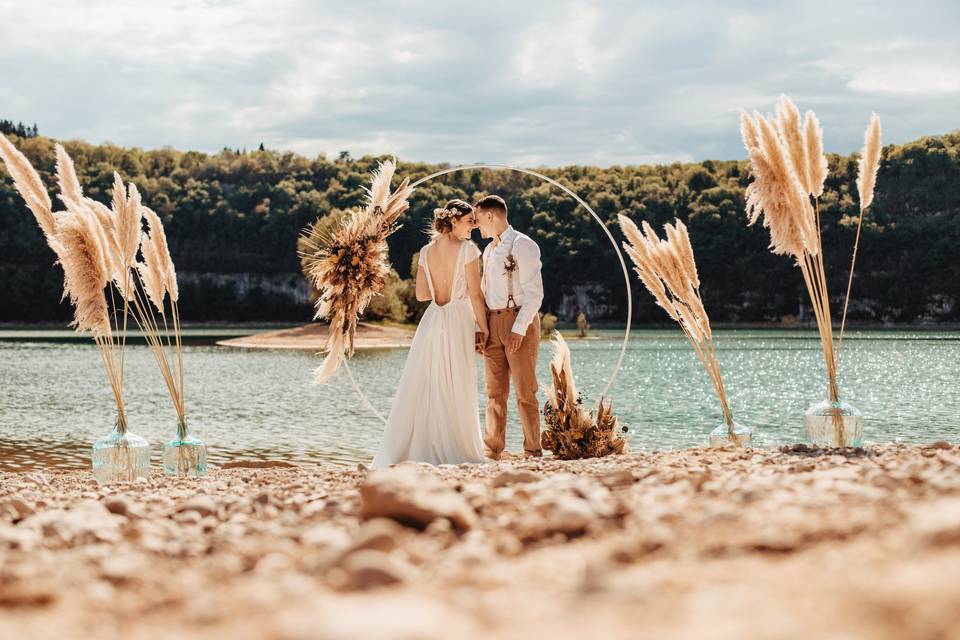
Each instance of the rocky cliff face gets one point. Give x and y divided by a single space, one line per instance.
292 287
594 300
288 296
245 296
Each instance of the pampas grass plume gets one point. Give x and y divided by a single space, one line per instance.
84 266
866 182
126 216
869 162
775 192
151 274
816 161
668 269
379 189
31 188
160 253
67 176
788 123
562 368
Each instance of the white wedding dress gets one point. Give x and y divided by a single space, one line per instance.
434 417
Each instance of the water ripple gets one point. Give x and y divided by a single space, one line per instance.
263 405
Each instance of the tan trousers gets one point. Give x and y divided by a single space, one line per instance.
498 368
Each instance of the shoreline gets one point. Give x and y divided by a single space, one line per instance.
371 336
313 337
567 327
693 543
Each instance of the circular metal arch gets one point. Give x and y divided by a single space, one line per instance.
580 201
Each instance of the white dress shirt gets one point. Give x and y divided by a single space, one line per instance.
527 281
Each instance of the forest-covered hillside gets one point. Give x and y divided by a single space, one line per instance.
233 219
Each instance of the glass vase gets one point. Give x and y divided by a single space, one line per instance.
120 457
185 456
720 436
832 423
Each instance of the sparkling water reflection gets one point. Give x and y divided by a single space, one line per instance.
263 405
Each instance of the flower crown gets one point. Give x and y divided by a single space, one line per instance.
443 213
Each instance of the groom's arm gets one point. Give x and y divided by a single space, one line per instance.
530 284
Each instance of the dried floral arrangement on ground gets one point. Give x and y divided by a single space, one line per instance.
571 430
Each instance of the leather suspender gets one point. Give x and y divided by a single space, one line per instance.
511 303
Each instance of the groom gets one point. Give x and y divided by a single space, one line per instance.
513 290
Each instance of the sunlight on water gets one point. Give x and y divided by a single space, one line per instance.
262 404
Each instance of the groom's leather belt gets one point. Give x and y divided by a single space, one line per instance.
507 310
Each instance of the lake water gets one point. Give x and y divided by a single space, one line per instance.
262 404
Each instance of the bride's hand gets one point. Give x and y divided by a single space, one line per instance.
480 341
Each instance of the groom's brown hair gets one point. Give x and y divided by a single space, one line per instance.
492 203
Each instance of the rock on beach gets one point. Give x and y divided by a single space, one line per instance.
720 543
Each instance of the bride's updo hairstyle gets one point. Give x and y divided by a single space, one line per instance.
444 218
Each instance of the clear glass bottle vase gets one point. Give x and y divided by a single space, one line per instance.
185 456
742 436
832 423
122 456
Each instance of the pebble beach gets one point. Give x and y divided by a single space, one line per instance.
782 542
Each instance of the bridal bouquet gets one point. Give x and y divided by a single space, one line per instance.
350 266
789 169
571 431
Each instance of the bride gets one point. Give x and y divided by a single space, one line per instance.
434 417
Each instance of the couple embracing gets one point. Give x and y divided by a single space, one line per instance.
487 303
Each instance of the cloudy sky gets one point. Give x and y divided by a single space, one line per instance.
525 83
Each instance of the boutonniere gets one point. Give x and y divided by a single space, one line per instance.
510 264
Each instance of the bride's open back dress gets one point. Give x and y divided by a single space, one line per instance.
435 416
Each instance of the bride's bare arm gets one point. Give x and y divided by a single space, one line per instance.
476 295
423 289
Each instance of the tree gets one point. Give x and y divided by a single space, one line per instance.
389 304
233 213
20 130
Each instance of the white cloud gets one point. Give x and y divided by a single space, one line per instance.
565 52
907 79
543 83
168 32
913 65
